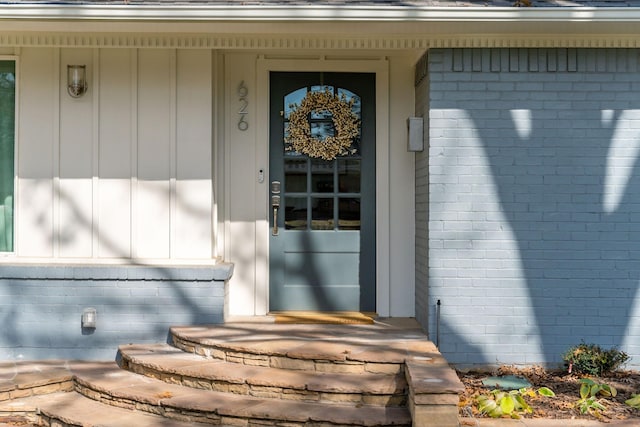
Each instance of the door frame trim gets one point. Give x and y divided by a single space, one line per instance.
380 67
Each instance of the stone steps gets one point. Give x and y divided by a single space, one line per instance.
172 365
387 347
249 374
108 384
320 348
73 410
22 379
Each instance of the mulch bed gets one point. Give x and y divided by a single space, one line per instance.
567 389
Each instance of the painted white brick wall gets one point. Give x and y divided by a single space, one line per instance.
534 202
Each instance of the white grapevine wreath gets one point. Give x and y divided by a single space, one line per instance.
345 123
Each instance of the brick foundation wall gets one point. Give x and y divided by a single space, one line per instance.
534 202
41 307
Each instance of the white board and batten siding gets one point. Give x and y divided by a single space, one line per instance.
124 172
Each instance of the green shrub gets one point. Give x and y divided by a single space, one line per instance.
590 359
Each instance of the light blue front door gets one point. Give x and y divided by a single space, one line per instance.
322 245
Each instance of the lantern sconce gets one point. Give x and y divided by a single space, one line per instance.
77 80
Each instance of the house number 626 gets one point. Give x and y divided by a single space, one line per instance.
242 95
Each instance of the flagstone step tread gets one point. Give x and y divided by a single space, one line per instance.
383 343
173 365
20 379
73 409
107 383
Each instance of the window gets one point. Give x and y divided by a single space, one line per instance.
7 152
326 192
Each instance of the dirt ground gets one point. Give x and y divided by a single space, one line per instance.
567 389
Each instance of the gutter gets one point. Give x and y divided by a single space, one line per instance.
310 13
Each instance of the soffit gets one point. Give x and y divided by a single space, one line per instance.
406 3
334 24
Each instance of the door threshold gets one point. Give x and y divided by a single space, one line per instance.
323 317
249 319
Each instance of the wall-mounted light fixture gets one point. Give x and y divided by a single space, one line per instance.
77 80
89 318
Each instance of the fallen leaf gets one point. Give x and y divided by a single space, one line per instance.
164 395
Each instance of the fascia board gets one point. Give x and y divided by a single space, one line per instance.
211 13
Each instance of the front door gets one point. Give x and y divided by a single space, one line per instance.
322 191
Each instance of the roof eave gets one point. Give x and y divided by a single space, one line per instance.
299 13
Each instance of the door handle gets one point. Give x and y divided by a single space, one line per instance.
275 204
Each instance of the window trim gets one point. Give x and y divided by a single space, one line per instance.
16 138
